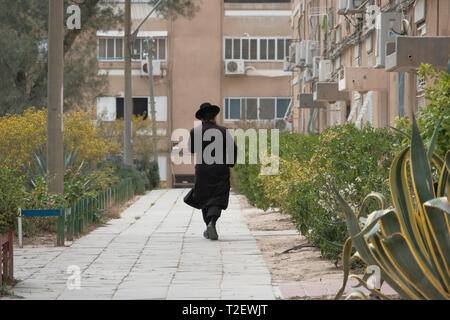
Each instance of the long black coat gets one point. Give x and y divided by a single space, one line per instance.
212 181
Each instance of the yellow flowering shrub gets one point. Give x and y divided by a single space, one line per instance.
291 174
22 135
80 133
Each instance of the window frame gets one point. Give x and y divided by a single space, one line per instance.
106 58
258 103
258 44
122 59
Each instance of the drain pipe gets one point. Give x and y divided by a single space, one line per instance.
311 116
401 94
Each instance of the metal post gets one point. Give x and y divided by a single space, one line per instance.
10 256
152 100
19 226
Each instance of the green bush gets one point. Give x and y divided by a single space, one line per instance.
11 196
149 172
437 93
153 175
129 172
355 161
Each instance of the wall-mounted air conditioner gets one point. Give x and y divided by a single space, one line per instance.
287 65
299 48
301 55
389 25
292 54
234 67
312 50
342 6
370 22
355 6
325 70
307 75
156 68
350 6
316 66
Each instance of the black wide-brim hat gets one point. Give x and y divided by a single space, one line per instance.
205 107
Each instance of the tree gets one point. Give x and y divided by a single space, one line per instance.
23 53
23 56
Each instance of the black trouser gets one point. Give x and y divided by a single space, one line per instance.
211 213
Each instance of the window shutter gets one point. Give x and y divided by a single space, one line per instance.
160 108
106 108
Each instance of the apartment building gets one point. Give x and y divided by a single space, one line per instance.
231 54
356 60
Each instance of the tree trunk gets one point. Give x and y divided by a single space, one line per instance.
55 147
128 106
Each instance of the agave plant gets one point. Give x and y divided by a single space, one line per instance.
410 242
39 164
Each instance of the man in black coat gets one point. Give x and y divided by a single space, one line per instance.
216 153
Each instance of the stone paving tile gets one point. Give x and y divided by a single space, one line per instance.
161 255
307 289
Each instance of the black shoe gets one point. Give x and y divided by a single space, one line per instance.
212 232
205 234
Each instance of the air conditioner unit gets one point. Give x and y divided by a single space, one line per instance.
234 67
387 23
312 50
325 70
307 75
156 68
292 53
342 6
371 17
298 55
350 6
355 6
316 66
287 65
301 53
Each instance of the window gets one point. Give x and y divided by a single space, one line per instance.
257 49
282 107
111 108
252 109
113 49
158 47
266 109
232 109
110 49
140 107
256 108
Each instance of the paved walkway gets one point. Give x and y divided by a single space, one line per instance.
155 251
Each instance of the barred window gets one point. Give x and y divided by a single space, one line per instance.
113 49
256 108
256 49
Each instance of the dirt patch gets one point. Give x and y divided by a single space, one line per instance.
304 264
48 239
269 221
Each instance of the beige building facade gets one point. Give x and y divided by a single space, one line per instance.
355 60
231 54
